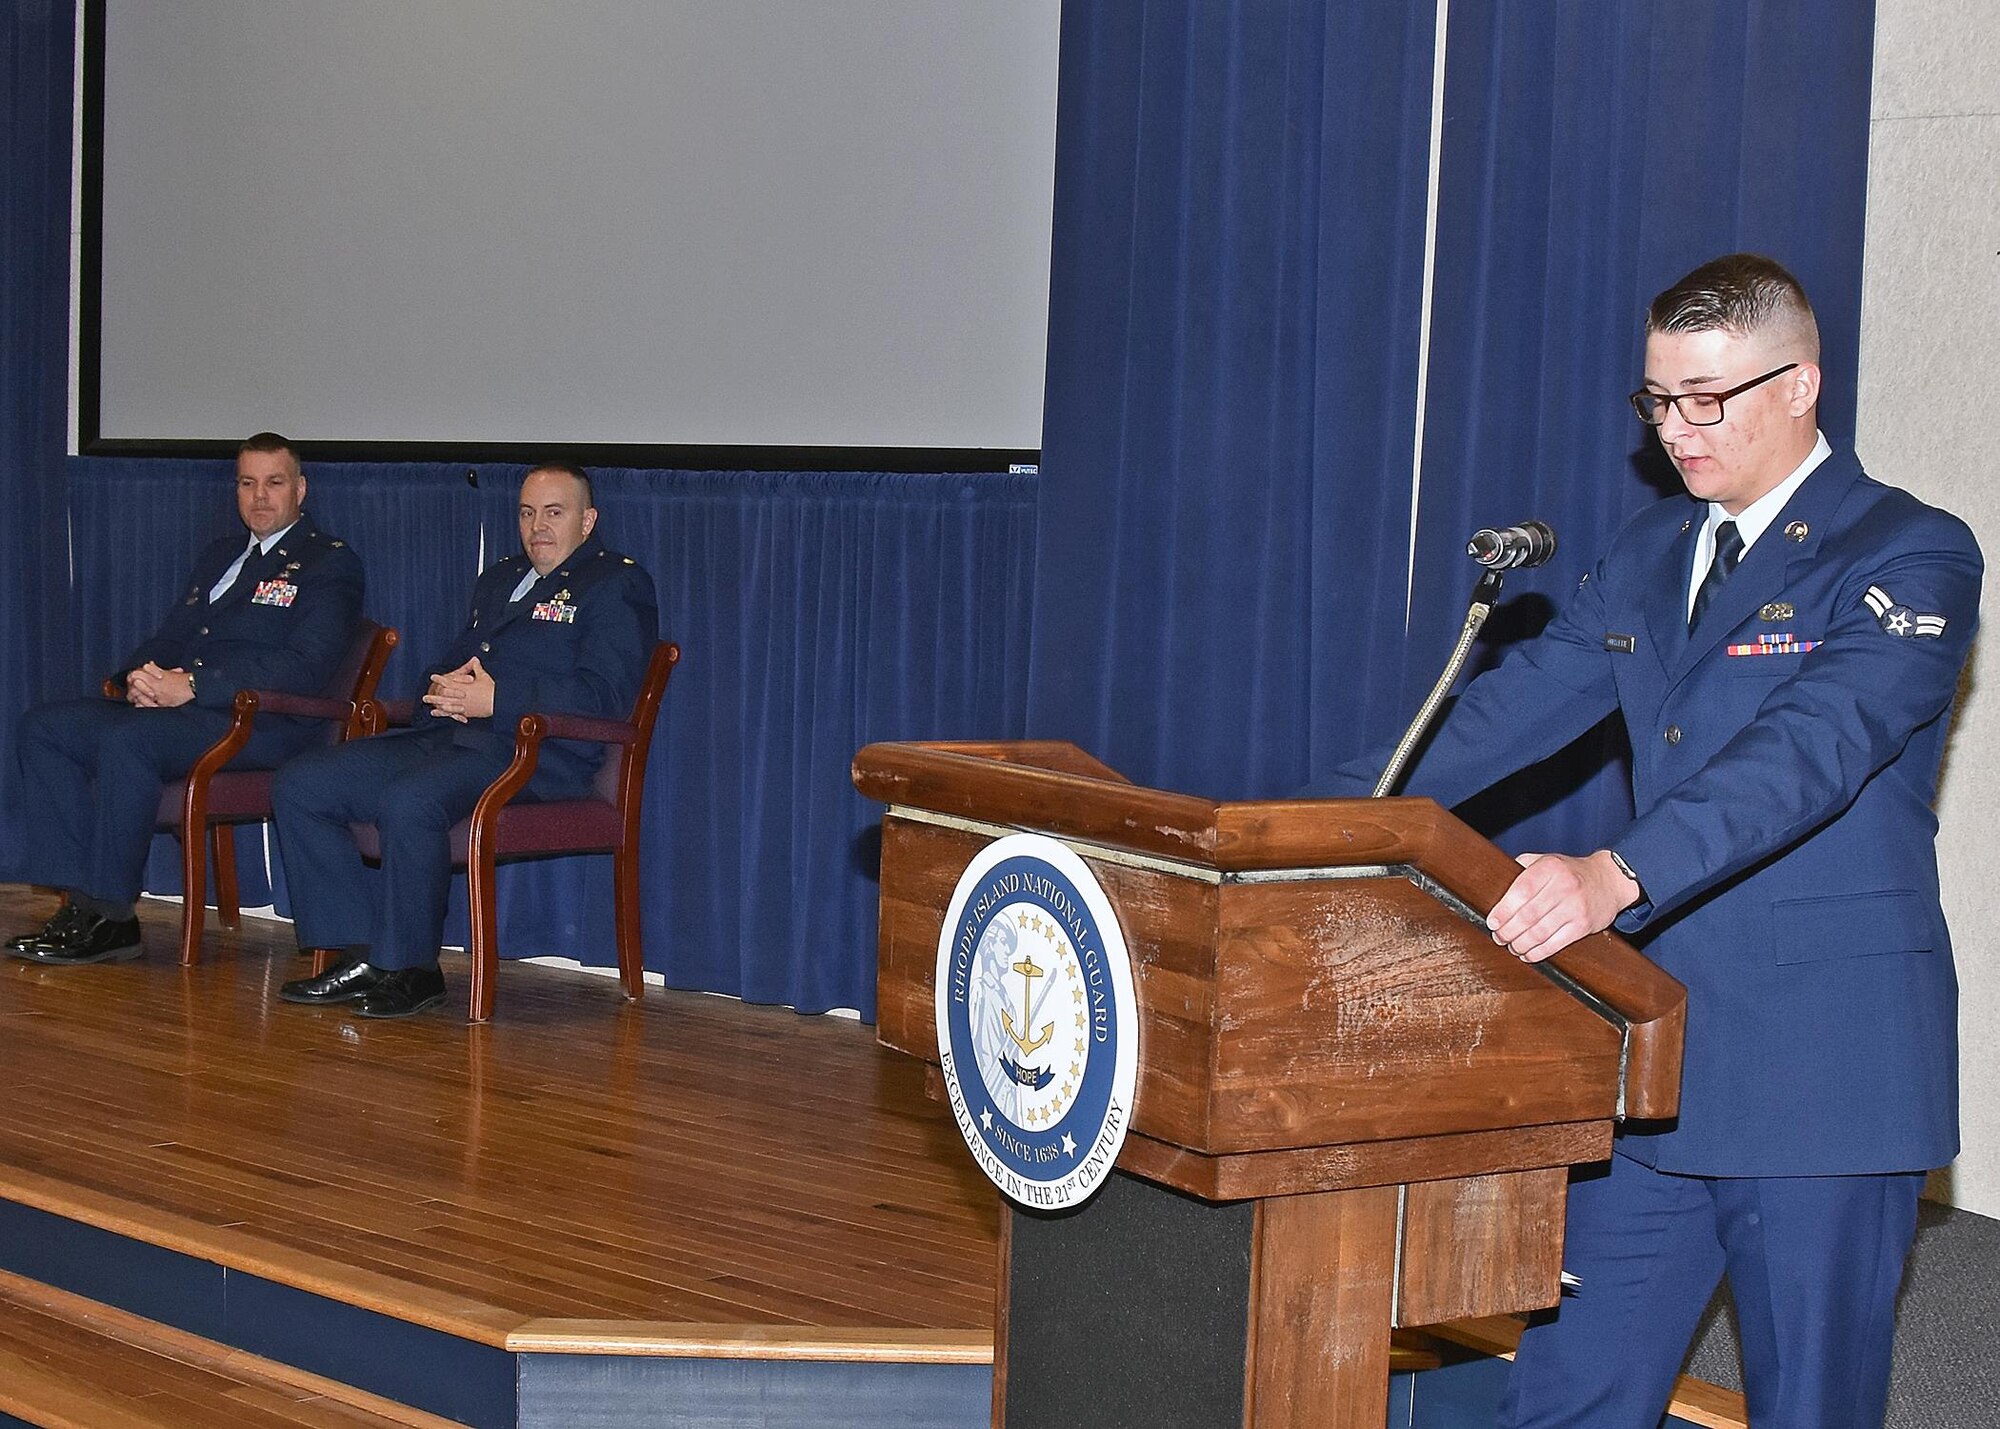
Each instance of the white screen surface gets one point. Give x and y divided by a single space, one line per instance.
707 222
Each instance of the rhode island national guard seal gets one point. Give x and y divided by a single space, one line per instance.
1038 1028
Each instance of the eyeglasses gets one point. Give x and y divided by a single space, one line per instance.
1698 409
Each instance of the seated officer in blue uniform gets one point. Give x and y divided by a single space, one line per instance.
1784 649
275 612
566 627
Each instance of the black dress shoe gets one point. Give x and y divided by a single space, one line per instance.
402 992
66 917
88 939
345 981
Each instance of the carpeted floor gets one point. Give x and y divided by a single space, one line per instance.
1946 1375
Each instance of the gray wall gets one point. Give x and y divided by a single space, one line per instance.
1930 350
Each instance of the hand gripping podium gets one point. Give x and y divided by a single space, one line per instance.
1353 1111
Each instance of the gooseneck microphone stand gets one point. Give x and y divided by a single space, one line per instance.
1485 596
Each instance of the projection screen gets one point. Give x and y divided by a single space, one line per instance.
746 226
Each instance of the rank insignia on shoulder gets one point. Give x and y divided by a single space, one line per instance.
1900 620
1777 610
1620 644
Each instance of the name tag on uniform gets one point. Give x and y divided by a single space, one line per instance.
1620 644
1786 644
275 592
559 611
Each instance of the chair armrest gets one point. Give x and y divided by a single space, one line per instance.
588 727
281 702
243 714
513 779
378 715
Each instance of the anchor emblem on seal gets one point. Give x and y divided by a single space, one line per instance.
1029 972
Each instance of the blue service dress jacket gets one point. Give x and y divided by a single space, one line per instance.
284 624
577 642
1784 766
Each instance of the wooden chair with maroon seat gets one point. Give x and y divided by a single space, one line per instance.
203 809
604 821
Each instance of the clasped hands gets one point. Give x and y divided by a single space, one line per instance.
1556 899
151 688
462 694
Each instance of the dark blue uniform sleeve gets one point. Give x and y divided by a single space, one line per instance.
1544 694
1820 736
167 646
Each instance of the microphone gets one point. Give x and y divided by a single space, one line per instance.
1512 547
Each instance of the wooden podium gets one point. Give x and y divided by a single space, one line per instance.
1354 1111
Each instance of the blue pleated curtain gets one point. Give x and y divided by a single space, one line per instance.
137 524
816 613
1236 285
1225 527
1592 155
1211 584
36 654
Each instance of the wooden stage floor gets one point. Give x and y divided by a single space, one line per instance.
578 1174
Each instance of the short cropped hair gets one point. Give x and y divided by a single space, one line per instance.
574 473
269 443
1740 293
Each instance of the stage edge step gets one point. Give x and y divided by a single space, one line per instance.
71 1363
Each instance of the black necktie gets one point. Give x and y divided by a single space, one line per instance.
1728 551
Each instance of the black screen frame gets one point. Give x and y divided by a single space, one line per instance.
666 456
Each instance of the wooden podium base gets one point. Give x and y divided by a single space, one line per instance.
1376 1105
1146 1307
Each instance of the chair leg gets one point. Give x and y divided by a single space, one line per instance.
483 908
194 893
222 853
625 910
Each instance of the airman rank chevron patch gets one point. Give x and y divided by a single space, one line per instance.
1900 620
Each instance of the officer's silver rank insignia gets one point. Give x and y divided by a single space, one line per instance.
1900 620
1037 1024
1777 610
1797 531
